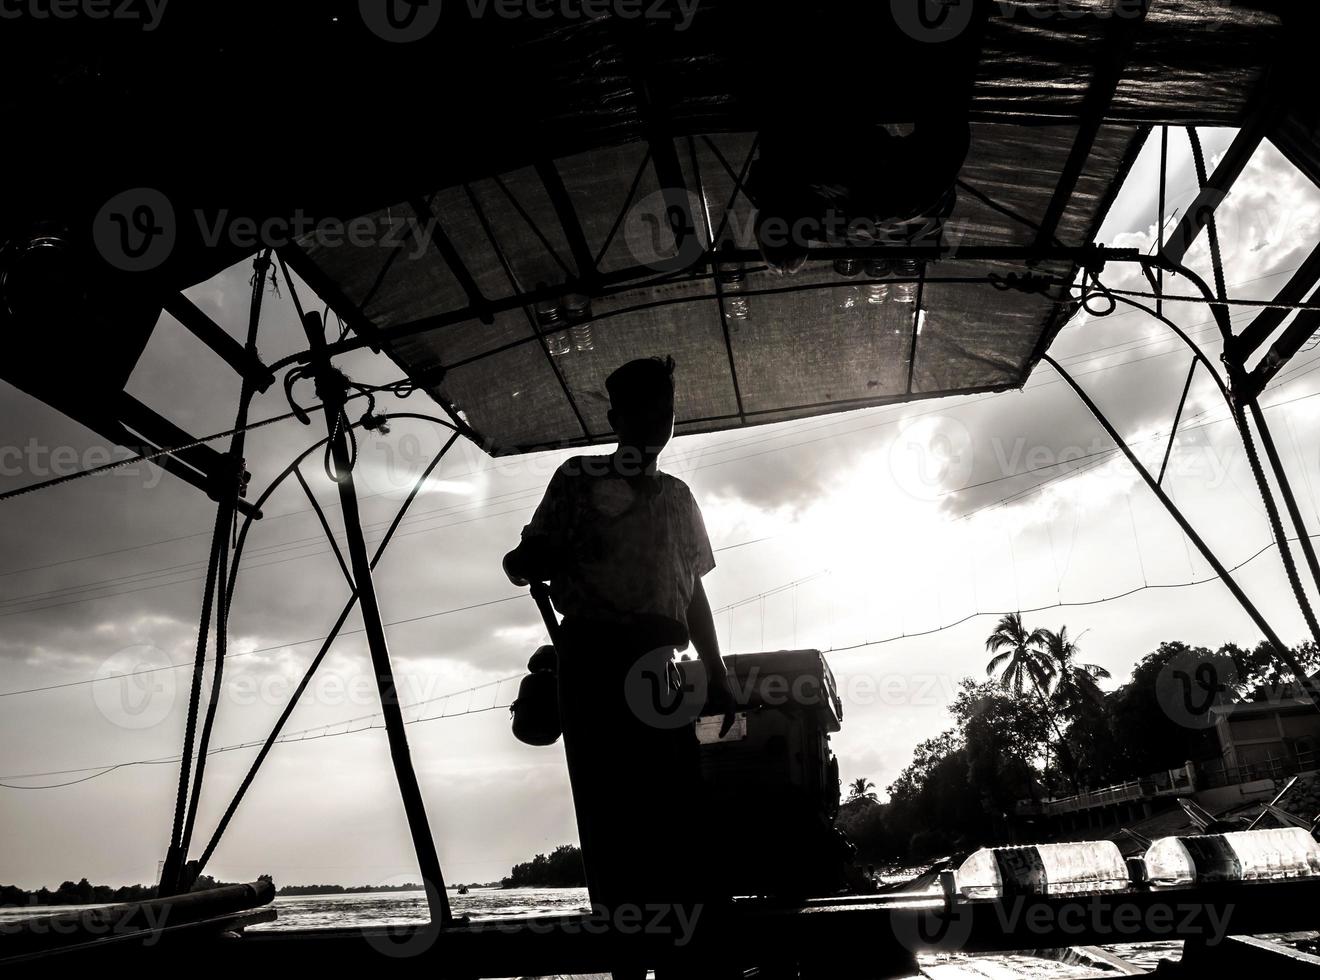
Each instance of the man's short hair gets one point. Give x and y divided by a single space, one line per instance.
641 384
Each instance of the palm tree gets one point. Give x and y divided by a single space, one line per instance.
1076 685
1022 660
861 788
1019 657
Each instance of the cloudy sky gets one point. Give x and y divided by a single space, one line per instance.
844 533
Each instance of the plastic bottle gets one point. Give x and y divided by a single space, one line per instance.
1249 855
1044 869
549 316
878 293
733 282
906 292
577 311
582 341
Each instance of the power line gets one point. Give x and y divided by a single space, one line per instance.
321 731
315 639
312 734
678 461
1059 605
1091 459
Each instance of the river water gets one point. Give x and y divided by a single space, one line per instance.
403 907
398 908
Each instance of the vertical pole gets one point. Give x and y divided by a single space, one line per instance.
174 876
330 388
1164 186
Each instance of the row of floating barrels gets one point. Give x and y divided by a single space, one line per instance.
1091 867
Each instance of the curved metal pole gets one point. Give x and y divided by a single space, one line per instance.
273 737
1261 623
1236 407
1191 345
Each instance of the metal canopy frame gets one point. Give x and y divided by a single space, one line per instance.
1240 391
1121 36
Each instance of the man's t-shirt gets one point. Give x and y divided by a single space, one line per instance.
626 550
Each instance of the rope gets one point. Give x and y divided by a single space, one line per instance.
1220 311
173 859
400 389
141 458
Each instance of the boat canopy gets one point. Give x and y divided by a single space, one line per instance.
611 163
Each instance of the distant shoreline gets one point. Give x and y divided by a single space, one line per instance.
299 891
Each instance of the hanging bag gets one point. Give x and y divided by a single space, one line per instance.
535 712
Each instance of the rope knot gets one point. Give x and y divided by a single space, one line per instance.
332 386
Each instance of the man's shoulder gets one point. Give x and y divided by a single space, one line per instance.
578 467
677 486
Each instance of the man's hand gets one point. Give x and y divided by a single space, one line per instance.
720 700
532 561
512 570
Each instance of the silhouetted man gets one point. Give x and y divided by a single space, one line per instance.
624 548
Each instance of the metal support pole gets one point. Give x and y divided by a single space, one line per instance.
1177 418
721 296
329 386
1225 576
326 644
1164 187
174 878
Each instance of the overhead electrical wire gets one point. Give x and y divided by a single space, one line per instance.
318 541
1098 457
322 731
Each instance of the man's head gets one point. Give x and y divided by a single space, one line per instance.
642 404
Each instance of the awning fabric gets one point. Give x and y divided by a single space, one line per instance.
801 351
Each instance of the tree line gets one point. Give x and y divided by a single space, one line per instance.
1039 725
561 868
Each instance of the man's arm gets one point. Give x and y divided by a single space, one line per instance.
701 628
535 557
